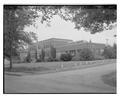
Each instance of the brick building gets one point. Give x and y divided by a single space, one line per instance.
63 46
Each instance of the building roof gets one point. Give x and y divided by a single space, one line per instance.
57 39
52 41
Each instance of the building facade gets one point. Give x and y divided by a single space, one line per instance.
63 46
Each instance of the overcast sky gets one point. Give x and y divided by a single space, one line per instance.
65 30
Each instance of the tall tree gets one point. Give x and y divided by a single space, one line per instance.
15 19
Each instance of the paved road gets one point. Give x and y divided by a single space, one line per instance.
76 81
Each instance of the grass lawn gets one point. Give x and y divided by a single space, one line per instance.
48 67
26 70
110 79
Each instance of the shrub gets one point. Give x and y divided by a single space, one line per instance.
98 57
51 59
109 53
53 52
42 56
36 57
76 57
28 58
86 54
66 57
39 60
115 50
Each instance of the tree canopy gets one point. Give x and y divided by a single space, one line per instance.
92 18
15 19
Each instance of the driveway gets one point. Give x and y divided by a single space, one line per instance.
87 80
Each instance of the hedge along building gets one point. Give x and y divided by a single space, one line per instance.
62 46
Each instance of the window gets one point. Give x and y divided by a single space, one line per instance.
73 52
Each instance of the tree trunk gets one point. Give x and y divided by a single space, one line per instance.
10 54
10 49
10 62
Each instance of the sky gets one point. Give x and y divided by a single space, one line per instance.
65 30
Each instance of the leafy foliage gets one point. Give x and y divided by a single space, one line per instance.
115 48
42 55
66 57
36 55
15 19
28 58
51 59
93 18
86 54
53 52
109 53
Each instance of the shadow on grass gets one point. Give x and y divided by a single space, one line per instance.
110 79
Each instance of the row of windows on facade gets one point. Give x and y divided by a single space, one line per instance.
40 47
72 52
